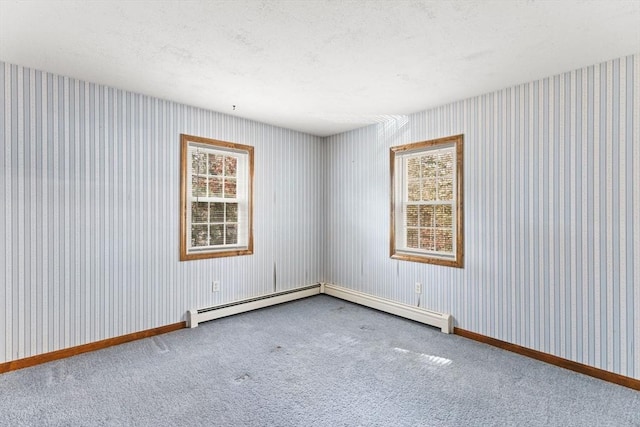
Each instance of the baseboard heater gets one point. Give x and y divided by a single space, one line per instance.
432 318
216 312
428 317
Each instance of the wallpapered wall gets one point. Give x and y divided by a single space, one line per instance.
89 215
89 222
552 230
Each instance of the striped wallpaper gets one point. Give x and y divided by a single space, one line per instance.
89 214
552 215
89 181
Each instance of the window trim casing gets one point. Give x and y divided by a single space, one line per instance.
458 142
215 144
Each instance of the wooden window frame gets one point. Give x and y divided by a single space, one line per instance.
185 178
397 154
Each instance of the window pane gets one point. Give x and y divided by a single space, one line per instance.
444 216
217 238
445 189
216 214
215 164
445 164
230 188
232 212
199 163
413 191
444 240
199 211
413 167
426 238
429 189
232 234
429 165
199 186
412 238
199 235
230 166
412 215
426 216
215 187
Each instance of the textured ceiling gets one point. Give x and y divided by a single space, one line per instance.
318 66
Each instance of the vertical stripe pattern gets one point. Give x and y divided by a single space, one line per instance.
89 180
552 215
89 219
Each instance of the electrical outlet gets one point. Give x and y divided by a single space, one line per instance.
418 288
215 286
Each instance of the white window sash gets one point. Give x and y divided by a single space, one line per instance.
402 200
242 198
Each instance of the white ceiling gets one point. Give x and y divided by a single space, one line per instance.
318 66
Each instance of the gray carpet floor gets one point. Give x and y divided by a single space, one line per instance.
313 362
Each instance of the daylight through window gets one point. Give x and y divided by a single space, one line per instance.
426 224
215 206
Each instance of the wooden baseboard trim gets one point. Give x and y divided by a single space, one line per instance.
84 348
553 360
524 351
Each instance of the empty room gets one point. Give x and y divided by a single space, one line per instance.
320 213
